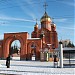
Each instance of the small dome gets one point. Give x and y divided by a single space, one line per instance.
36 25
45 17
53 24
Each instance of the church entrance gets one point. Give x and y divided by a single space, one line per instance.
14 50
33 51
15 45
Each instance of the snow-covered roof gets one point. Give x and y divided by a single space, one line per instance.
33 38
66 48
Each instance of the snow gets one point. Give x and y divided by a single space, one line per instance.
33 68
65 48
33 38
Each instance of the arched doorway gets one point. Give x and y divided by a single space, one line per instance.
33 51
7 44
14 49
9 38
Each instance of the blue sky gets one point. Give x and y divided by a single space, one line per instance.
21 15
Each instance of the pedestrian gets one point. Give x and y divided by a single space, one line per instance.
55 61
8 61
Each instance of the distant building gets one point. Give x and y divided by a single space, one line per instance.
67 43
69 53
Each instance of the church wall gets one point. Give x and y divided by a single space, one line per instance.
55 40
47 37
46 24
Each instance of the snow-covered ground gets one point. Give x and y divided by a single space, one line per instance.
33 68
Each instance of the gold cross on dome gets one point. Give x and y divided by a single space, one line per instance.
45 5
36 20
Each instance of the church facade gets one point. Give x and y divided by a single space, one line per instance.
44 39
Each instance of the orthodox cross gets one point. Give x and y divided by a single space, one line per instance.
45 5
36 21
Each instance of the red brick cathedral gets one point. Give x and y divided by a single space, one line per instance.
42 40
47 31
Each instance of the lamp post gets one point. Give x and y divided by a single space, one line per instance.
48 54
61 54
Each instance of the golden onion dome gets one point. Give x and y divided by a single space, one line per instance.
36 25
45 17
53 24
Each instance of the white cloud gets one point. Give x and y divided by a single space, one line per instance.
15 19
60 20
71 3
3 23
29 2
27 10
33 16
25 26
69 28
1 36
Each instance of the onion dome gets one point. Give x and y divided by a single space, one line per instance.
36 25
45 17
53 24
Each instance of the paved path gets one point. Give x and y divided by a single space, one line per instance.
34 68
